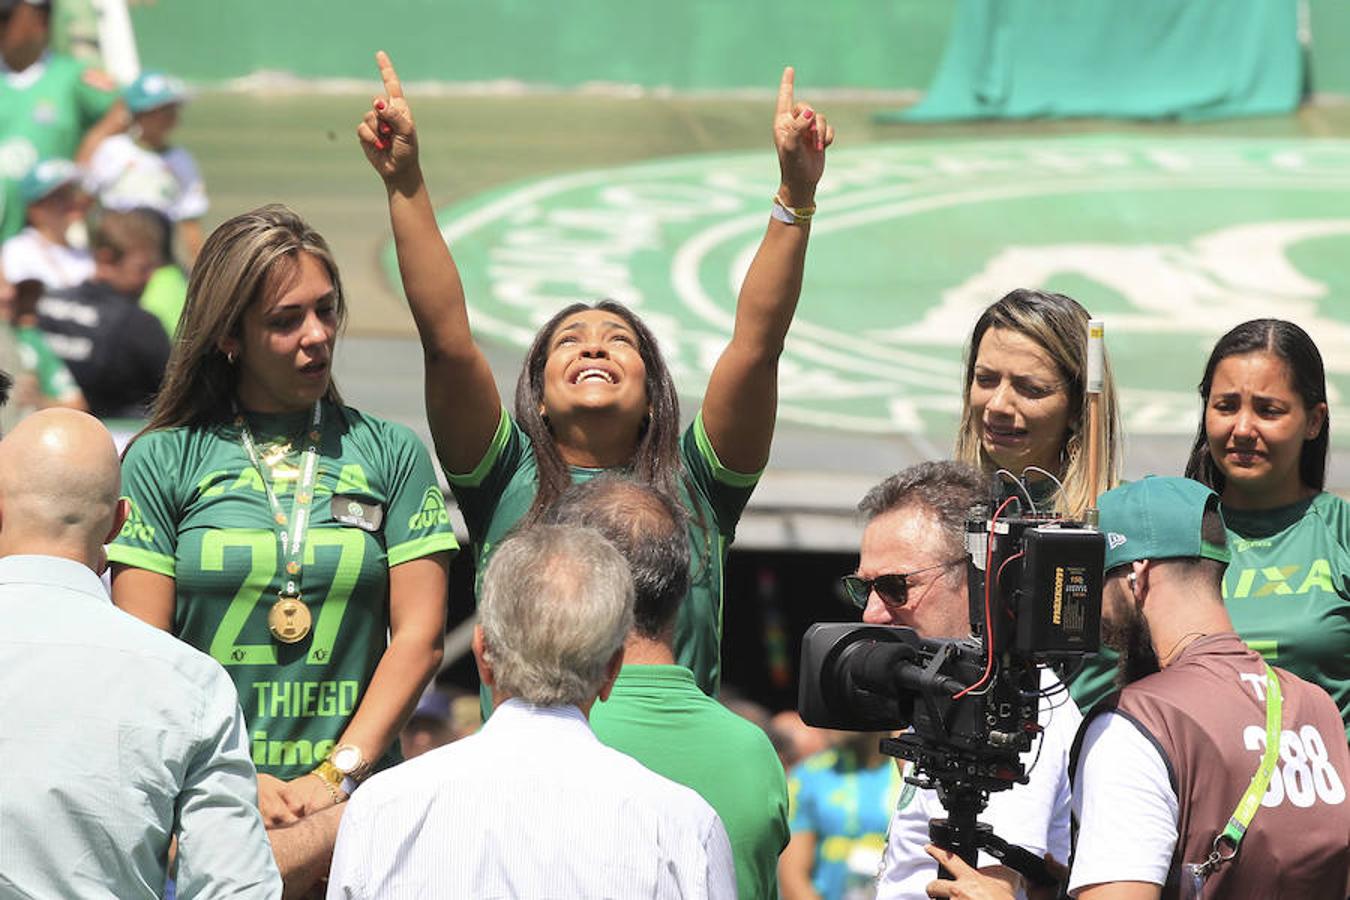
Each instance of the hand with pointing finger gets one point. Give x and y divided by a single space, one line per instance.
801 135
387 133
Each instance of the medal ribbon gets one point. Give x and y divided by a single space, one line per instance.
290 531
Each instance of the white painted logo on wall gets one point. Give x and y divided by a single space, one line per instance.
1170 242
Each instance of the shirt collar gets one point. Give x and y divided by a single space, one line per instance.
29 76
641 674
52 571
517 715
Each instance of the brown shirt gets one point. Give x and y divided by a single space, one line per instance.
1206 714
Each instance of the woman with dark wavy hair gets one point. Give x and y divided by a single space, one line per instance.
1262 446
595 393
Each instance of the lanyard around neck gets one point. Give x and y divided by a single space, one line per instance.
290 529
1246 808
1230 839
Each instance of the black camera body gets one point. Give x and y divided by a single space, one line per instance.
1049 597
972 704
885 677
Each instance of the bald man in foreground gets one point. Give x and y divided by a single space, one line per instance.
117 737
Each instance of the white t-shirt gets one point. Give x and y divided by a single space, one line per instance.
1034 815
1122 789
30 255
125 175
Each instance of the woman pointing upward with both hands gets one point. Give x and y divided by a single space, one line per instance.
594 393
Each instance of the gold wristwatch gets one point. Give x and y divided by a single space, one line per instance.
329 773
343 769
350 761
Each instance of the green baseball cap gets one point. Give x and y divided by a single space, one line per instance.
1161 518
153 90
46 177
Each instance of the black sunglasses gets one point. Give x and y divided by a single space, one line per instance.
892 588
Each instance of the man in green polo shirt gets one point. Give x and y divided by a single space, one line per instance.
656 712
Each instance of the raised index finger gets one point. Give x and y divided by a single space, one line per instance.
785 91
389 76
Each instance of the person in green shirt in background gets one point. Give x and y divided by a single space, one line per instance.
655 712
49 380
51 105
594 392
1262 447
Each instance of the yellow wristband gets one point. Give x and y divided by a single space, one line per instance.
792 215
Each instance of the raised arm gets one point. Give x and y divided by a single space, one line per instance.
741 402
463 406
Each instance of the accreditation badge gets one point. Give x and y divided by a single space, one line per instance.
357 511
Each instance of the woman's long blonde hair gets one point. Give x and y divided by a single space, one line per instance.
1059 326
254 252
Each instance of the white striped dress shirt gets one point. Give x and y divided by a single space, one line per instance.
533 806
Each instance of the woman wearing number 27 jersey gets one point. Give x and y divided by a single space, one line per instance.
279 531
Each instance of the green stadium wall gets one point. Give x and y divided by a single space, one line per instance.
685 45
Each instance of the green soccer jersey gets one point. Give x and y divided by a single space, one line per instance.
1287 589
44 112
498 493
200 515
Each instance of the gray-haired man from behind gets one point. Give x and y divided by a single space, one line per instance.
117 737
912 572
534 805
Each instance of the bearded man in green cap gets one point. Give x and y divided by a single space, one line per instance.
1209 773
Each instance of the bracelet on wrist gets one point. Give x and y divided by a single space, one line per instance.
328 773
791 215
333 790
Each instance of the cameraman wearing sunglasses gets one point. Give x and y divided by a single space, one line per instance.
912 572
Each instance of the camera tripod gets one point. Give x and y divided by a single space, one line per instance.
963 783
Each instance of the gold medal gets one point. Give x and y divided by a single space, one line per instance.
289 619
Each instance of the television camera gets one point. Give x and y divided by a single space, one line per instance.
970 705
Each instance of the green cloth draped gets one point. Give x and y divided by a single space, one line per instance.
1125 58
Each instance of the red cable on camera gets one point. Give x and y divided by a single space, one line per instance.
988 613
